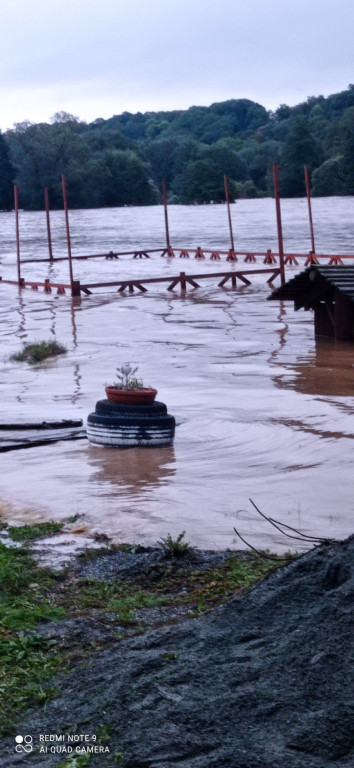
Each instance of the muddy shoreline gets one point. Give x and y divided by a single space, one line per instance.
262 681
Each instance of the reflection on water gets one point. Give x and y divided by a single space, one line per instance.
132 470
282 330
74 307
21 309
263 410
327 370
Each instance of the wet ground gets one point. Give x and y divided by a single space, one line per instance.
265 680
262 410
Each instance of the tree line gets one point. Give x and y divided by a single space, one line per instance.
123 160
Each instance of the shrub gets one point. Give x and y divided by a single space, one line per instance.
38 351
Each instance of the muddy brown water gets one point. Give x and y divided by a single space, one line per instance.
263 410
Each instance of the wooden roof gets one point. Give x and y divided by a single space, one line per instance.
315 284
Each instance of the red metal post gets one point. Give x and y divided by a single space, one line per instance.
279 226
46 202
63 182
164 193
308 194
226 186
17 236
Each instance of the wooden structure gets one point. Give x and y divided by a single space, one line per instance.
40 433
182 280
329 291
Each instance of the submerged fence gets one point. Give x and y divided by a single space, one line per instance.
277 261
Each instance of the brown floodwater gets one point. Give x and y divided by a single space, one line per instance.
263 411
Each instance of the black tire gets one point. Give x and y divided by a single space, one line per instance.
132 420
106 408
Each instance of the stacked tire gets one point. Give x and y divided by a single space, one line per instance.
125 426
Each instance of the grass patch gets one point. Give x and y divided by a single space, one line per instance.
27 661
198 590
121 599
38 351
204 589
30 532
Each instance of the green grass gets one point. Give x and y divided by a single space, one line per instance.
38 351
27 661
203 590
122 599
198 590
30 532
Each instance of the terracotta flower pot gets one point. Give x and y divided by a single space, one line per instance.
144 396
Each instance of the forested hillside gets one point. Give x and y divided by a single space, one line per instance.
122 161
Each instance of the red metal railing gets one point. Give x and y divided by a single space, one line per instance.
269 258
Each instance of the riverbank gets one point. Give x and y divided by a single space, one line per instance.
200 660
49 617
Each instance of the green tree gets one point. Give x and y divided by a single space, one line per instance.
108 179
283 112
259 157
41 153
243 114
327 179
101 135
300 149
122 160
7 175
128 179
200 184
347 143
203 179
317 122
160 155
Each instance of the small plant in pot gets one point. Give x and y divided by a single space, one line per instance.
129 390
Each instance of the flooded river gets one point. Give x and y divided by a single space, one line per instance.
263 411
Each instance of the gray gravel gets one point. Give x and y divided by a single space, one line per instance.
264 681
147 561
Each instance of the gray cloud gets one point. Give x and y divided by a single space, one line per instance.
96 58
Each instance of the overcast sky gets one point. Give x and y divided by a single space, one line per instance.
97 58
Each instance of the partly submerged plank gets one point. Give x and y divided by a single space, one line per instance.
62 424
13 444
